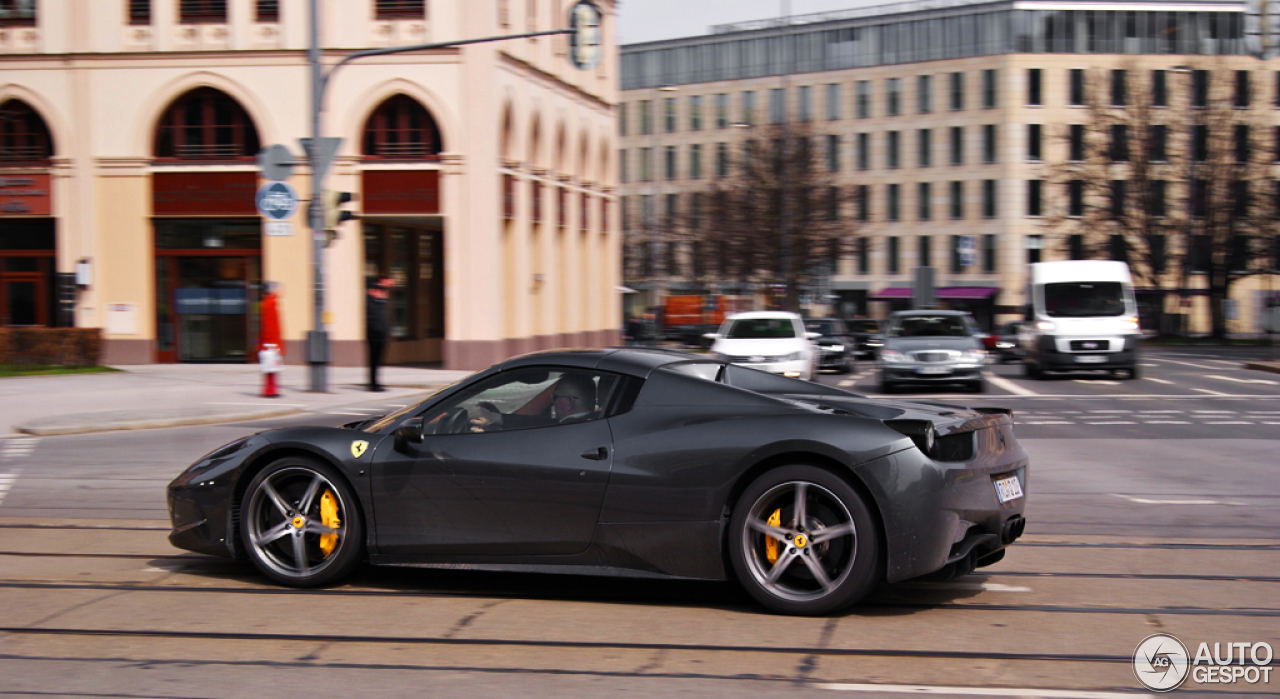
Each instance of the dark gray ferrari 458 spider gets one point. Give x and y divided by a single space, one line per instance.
646 462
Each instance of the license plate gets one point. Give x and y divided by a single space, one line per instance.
1090 359
933 370
1008 489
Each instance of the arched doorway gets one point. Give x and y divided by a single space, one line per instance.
208 243
402 226
28 288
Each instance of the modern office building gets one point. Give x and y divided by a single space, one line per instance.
946 119
483 176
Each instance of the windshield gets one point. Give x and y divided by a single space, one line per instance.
760 329
929 326
380 423
826 327
1083 299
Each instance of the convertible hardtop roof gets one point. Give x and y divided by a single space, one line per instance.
637 361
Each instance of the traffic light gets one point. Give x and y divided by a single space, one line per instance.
333 214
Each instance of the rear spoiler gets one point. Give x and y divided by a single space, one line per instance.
995 411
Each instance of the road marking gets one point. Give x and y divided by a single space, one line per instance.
272 404
1146 501
1229 422
1174 361
1263 412
345 412
1205 390
1010 386
847 383
6 482
1116 422
1167 383
974 691
1161 412
1048 422
983 586
1100 382
1232 378
1165 422
1207 413
1271 423
1111 411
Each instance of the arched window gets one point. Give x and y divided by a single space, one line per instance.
207 125
401 129
24 138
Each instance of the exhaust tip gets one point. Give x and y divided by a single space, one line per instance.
1012 529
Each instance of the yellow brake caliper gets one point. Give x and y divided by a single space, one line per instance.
329 517
771 544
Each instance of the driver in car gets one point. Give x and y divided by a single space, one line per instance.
573 397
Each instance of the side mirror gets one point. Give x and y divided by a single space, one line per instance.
410 431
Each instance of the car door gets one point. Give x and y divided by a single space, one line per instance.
534 485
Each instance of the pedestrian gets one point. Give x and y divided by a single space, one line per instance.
270 340
375 326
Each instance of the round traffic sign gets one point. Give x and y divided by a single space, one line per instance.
277 200
275 162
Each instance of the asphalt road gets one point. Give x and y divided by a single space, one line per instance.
1151 509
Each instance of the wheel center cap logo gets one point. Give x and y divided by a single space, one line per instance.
1161 662
299 521
800 541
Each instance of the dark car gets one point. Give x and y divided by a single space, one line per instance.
836 345
932 347
1004 342
644 462
869 336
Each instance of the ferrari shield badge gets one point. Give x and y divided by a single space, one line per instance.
358 447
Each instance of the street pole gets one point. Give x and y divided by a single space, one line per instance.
785 233
318 337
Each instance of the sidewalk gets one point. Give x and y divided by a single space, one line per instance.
169 395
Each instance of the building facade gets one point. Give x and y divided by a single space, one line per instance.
945 121
483 176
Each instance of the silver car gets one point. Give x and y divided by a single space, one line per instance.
932 347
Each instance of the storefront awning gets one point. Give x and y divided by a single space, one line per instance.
894 293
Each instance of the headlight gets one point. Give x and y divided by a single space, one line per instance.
1045 326
892 356
975 356
834 348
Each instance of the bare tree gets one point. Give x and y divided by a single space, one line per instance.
1169 190
779 217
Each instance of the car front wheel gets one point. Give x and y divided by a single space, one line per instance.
300 523
802 541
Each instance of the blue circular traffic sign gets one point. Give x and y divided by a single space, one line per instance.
277 200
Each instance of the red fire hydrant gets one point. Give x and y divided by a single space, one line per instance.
271 361
271 340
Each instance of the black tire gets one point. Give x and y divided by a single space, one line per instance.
1030 369
886 387
1133 373
282 526
848 558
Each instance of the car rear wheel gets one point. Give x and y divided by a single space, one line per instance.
300 524
1030 369
802 541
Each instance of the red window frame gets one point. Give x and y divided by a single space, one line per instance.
401 129
208 126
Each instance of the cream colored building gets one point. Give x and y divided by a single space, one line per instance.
934 109
483 176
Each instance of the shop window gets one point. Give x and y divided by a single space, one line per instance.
400 9
401 129
206 125
202 11
24 138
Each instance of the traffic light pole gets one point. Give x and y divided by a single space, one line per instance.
318 337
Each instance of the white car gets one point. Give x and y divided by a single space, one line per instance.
772 341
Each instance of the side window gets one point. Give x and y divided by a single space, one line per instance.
525 398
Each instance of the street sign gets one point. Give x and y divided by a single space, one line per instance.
277 201
584 42
326 150
279 228
275 162
968 250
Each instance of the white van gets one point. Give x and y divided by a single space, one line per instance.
1082 315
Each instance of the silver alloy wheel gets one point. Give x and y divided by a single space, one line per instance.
285 525
816 529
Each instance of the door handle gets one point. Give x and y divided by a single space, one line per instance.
597 454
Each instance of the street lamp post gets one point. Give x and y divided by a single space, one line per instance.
1188 248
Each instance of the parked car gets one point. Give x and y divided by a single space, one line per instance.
932 347
836 346
662 464
772 341
869 335
1005 347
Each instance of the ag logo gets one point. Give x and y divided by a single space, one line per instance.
1161 662
358 447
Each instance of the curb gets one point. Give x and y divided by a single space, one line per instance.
110 421
1273 367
